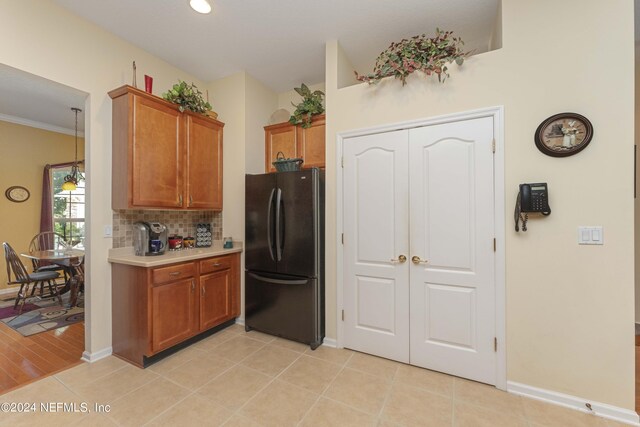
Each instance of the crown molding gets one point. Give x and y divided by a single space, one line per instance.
39 125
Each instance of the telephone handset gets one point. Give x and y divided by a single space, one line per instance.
531 198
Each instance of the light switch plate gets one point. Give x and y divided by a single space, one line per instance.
590 235
108 231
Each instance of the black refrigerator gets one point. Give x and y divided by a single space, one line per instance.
284 255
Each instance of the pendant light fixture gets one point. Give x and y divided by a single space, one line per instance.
200 6
71 180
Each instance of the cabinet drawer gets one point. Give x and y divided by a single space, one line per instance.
215 264
173 272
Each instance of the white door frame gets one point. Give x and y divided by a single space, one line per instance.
497 113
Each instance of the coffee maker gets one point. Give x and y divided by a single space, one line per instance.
149 238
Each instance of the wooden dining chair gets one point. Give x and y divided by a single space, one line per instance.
17 270
47 240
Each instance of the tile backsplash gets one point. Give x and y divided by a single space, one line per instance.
178 222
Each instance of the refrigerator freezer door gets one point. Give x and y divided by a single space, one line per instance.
260 191
297 230
289 307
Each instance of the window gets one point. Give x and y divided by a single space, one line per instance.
68 208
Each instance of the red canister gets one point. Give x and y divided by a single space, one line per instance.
175 243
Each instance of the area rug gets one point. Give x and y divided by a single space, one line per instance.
44 319
42 315
10 311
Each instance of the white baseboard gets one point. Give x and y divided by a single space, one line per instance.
603 410
94 357
240 321
330 342
9 290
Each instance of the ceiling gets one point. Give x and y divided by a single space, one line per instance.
281 43
37 102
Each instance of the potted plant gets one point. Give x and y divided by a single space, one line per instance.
427 54
310 106
188 97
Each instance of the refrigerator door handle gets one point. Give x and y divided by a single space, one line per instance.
269 227
278 213
278 281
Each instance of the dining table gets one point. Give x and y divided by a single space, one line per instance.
68 258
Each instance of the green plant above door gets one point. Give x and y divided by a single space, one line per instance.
188 97
310 106
427 54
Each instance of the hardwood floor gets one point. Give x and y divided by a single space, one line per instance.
27 359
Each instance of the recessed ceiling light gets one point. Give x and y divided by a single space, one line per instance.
200 6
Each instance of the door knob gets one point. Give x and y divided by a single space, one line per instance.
416 260
401 259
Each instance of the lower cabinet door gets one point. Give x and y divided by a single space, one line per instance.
173 311
215 299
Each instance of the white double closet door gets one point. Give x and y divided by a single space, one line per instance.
419 280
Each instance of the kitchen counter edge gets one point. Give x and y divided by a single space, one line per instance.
127 256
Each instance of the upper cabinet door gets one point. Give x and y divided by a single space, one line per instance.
156 155
279 138
204 163
311 143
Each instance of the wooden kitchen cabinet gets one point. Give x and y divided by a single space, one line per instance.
162 158
173 313
156 308
296 141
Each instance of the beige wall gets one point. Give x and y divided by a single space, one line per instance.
26 151
245 105
261 103
570 308
637 200
45 39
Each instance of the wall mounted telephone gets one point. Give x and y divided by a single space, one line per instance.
531 198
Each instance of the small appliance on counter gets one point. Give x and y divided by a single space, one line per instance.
149 238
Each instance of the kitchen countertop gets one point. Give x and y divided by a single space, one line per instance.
127 256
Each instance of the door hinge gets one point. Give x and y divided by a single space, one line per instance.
494 244
495 344
343 315
493 145
343 238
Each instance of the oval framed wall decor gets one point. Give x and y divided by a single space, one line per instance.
17 194
563 134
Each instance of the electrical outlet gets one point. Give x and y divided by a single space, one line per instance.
108 231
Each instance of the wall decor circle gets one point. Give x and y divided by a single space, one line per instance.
17 194
563 134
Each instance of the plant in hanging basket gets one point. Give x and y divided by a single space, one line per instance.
188 97
310 106
427 54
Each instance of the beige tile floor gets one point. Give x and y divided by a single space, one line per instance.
235 378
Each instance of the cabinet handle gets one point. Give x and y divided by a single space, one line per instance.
193 285
175 273
180 200
190 200
203 291
217 264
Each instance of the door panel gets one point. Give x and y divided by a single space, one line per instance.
452 294
281 305
376 293
297 228
173 313
259 222
157 155
204 164
215 299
